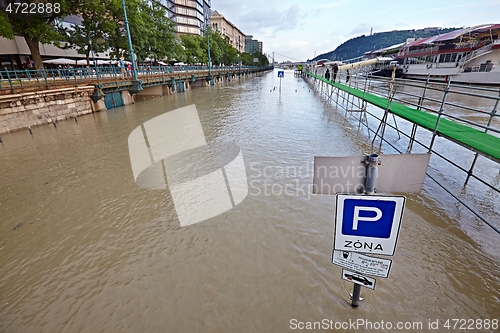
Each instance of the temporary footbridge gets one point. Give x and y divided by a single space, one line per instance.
446 111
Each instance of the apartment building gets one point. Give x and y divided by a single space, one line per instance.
220 24
252 45
189 16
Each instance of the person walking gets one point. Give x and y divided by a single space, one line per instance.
327 74
335 71
121 64
129 69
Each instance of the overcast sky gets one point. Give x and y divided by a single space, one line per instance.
299 29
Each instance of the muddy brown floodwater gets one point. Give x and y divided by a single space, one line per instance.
97 253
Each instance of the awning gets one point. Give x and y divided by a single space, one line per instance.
452 34
60 61
83 62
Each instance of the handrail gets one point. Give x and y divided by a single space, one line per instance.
470 134
11 79
456 125
471 56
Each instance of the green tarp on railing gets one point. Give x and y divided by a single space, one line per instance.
476 140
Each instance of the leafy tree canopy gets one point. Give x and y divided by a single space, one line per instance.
35 28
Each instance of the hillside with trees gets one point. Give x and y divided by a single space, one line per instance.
357 46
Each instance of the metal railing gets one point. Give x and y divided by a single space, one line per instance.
431 49
10 80
473 106
469 57
420 98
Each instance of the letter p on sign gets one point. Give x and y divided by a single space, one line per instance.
357 217
369 218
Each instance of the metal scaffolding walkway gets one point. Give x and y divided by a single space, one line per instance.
464 115
474 139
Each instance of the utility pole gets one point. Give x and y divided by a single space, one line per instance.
208 47
136 84
95 63
134 69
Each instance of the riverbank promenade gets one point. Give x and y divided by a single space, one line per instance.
32 98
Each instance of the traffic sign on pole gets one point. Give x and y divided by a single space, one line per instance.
362 263
357 278
368 224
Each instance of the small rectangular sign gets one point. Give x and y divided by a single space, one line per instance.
281 73
368 223
357 278
362 263
396 173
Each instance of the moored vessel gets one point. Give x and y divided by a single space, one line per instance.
468 55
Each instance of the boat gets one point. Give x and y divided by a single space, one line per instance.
468 55
386 62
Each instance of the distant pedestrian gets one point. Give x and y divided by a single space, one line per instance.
129 69
121 64
335 71
348 76
327 74
65 71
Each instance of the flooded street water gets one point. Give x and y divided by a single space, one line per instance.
96 253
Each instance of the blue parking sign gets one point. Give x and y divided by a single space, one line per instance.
368 223
369 218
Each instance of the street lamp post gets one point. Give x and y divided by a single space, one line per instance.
93 60
208 43
136 84
134 69
210 77
239 55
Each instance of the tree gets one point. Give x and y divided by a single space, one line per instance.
35 28
152 33
221 52
116 35
193 53
229 55
262 59
215 50
90 34
246 59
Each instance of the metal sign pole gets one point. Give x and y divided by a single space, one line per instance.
371 183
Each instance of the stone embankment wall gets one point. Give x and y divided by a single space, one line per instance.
21 110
